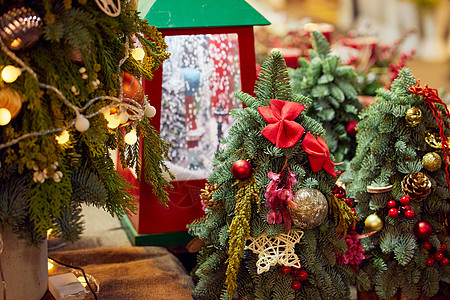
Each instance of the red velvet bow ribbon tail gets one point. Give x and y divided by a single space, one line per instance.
319 154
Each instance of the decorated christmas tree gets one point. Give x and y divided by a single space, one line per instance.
400 180
70 76
331 88
274 228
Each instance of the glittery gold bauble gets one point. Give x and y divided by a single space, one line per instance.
373 223
312 208
433 139
432 161
413 116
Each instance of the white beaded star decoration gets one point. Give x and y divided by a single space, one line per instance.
279 249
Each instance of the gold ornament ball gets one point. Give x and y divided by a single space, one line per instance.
432 161
373 223
312 208
413 116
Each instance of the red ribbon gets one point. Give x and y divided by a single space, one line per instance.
319 154
431 97
282 130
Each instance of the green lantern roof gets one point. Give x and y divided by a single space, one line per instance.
199 13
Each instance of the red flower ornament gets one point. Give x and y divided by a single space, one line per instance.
319 154
282 130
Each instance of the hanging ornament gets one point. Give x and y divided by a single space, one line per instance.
432 161
20 28
417 186
373 223
413 116
109 7
351 128
241 169
132 88
423 230
433 139
11 101
311 210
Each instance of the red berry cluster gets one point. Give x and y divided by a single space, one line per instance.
394 212
339 192
437 256
298 275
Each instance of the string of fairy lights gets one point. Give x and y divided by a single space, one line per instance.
126 110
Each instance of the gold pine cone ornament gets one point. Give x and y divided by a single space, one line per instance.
417 186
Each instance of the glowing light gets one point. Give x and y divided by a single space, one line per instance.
113 121
138 53
131 137
82 281
123 117
10 73
63 137
81 123
50 266
150 111
5 116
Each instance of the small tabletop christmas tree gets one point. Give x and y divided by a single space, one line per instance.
400 183
273 227
332 88
68 81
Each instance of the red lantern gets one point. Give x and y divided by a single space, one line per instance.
423 230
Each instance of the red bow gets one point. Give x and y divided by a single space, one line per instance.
282 130
319 154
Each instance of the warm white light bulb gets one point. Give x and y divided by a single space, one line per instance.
131 137
10 73
150 111
5 116
82 281
138 53
113 121
123 117
50 266
81 123
63 137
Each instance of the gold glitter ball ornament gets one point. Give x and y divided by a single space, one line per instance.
432 161
413 116
433 139
373 223
312 208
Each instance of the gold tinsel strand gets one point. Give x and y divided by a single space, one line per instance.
240 229
343 215
206 196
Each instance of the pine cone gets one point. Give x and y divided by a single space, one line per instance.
206 196
416 186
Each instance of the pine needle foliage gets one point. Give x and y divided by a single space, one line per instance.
88 172
331 88
388 149
226 228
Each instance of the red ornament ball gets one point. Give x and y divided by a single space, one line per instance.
296 285
438 256
429 262
443 247
444 262
393 213
404 200
392 204
407 207
351 128
302 275
409 214
286 270
426 245
241 169
423 230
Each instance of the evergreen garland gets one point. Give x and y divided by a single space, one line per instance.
331 88
89 177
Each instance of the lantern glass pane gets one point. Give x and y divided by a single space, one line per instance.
200 80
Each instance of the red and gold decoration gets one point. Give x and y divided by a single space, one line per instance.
20 28
413 116
298 275
311 208
432 161
342 209
241 169
417 186
282 130
132 88
206 197
11 102
433 139
319 154
373 223
423 230
431 98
